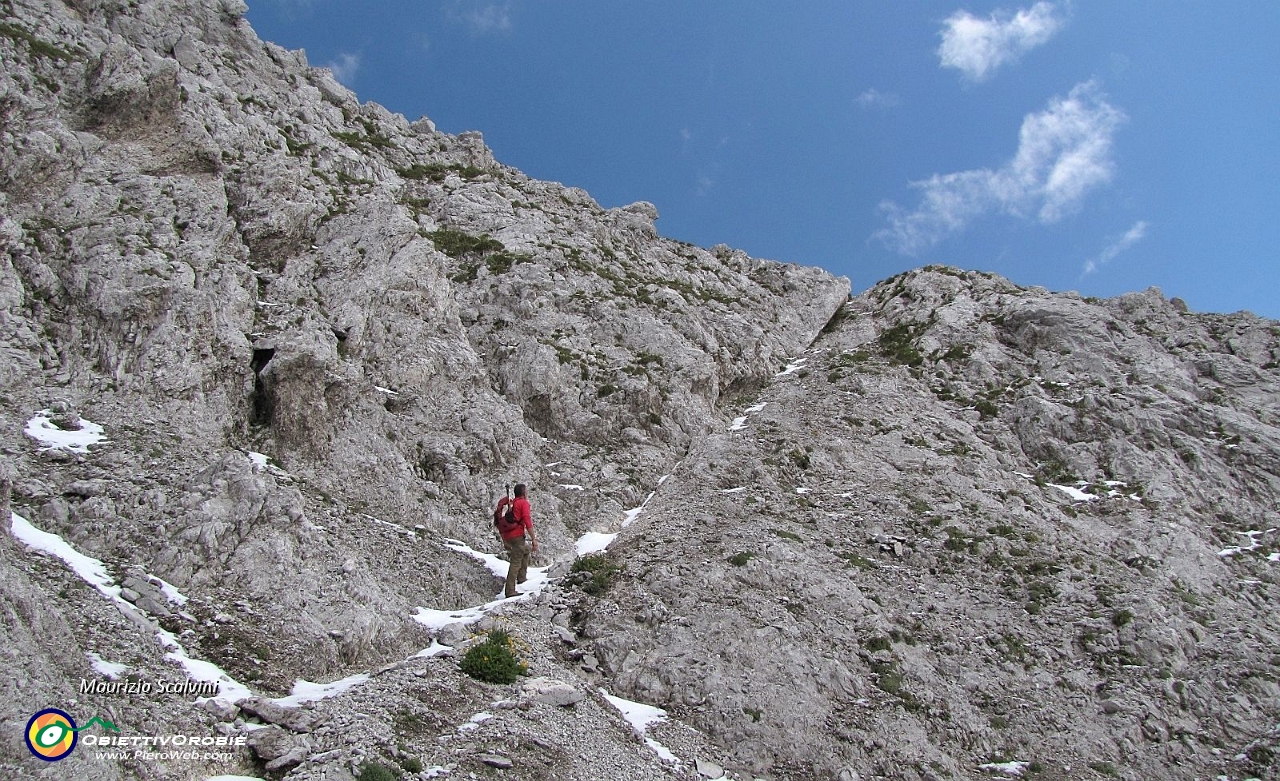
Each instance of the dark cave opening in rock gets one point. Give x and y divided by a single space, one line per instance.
261 399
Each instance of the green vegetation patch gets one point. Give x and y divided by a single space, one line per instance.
596 572
888 676
456 243
362 141
879 643
898 345
502 261
855 560
494 660
375 771
438 172
38 47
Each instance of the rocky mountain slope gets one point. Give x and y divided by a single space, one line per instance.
981 524
938 530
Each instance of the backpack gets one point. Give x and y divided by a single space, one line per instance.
504 517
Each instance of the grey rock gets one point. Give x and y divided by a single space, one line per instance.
496 760
293 719
566 636
453 634
294 757
212 249
86 489
221 709
153 606
552 692
271 743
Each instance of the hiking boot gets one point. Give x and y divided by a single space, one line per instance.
509 596
521 580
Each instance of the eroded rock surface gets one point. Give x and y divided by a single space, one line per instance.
270 354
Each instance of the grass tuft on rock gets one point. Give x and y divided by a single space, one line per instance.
494 660
595 572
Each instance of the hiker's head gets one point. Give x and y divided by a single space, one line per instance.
521 490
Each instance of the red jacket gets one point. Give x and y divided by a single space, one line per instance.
523 515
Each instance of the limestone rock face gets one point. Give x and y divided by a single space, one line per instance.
980 521
318 341
271 354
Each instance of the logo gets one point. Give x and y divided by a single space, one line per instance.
51 733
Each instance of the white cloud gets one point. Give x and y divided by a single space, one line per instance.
874 98
977 47
483 18
1132 236
1064 152
344 68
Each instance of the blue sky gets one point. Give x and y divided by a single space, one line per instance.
1079 145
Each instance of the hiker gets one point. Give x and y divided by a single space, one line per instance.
512 525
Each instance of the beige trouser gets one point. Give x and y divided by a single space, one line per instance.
518 554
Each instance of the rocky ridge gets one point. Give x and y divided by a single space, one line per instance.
976 524
973 524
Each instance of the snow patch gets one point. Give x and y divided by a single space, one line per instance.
306 691
593 542
437 619
403 530
109 670
435 649
740 423
793 367
94 573
1254 543
475 721
1074 492
42 429
629 517
171 592
737 490
89 570
203 672
262 463
572 487
1005 768
641 717
494 564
